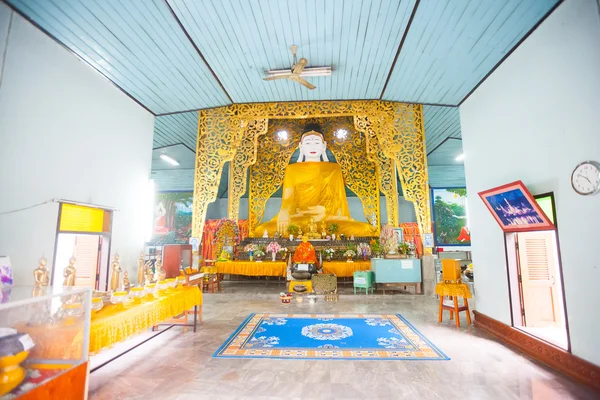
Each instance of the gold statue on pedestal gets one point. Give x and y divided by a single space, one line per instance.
160 272
126 283
312 230
69 273
149 272
41 280
40 274
141 270
314 189
116 273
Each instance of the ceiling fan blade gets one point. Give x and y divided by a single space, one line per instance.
272 78
304 82
300 66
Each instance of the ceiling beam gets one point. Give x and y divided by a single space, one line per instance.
412 16
511 51
198 50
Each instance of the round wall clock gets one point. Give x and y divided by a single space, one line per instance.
585 178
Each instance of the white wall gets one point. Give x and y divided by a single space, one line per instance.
66 132
534 119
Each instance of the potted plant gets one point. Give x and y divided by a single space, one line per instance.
293 230
403 249
349 254
376 248
283 253
259 254
333 228
329 254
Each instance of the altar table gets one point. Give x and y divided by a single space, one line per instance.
113 324
253 268
345 269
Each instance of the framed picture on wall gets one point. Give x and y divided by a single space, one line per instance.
515 209
400 235
450 225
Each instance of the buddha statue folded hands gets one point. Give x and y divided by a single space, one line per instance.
314 192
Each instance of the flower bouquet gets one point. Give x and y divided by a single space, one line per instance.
274 248
364 249
376 249
250 247
329 254
349 254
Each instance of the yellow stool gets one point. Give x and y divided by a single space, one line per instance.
308 285
454 290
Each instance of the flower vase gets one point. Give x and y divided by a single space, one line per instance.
291 237
333 236
251 256
273 255
348 259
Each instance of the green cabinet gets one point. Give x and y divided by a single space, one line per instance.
364 280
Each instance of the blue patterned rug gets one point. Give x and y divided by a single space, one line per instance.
329 336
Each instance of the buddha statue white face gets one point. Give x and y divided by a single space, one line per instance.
312 147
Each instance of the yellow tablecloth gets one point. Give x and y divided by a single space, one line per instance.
252 268
345 269
113 324
453 289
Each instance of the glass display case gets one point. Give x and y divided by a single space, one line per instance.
44 340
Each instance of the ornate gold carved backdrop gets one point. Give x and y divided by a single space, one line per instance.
398 128
273 155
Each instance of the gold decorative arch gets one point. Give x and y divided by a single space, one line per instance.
395 141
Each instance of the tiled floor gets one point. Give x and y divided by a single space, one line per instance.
175 365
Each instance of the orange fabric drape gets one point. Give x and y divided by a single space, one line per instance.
208 248
244 229
412 234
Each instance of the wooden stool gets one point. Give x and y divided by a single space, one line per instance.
454 290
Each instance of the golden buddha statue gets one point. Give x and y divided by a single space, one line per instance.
305 253
160 274
149 272
312 230
116 273
69 273
40 274
126 283
141 270
323 230
314 189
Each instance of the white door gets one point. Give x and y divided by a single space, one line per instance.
86 256
538 279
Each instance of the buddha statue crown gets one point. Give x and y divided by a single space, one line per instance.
312 129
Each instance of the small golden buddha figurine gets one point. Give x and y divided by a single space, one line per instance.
141 270
312 229
323 230
69 273
116 273
149 272
126 283
40 274
160 272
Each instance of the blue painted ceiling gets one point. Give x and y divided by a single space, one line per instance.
182 55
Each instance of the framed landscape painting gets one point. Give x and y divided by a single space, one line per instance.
515 209
450 217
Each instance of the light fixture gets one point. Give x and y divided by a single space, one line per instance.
309 71
282 135
341 134
169 159
460 157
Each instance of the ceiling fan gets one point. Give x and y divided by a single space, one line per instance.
298 71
